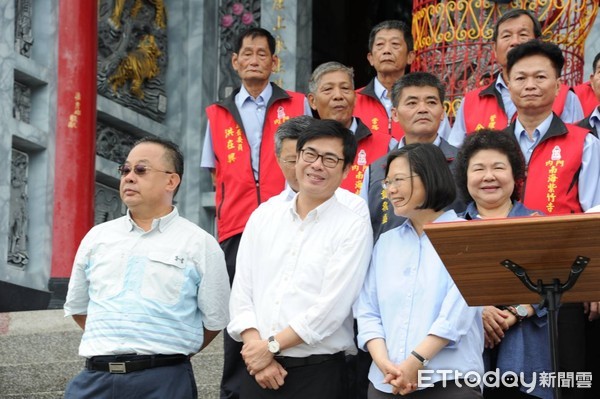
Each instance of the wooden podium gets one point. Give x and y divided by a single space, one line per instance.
523 260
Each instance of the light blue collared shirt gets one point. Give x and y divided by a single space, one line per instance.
381 93
407 295
589 176
595 120
572 112
364 190
148 292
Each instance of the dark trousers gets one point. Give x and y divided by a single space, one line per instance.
593 357
233 364
325 380
437 391
175 382
571 344
504 392
358 371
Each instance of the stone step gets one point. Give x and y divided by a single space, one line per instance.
38 356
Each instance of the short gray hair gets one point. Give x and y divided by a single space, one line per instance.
291 129
326 68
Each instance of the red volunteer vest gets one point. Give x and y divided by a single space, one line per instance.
553 168
373 114
484 111
370 148
587 98
238 194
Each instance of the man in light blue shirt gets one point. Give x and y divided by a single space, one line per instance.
516 26
563 164
149 289
534 71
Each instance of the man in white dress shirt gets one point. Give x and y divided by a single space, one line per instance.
286 138
300 266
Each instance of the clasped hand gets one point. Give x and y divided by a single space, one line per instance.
261 364
402 377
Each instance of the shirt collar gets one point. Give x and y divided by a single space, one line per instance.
437 141
595 119
541 129
353 125
244 96
159 224
380 91
448 216
315 213
288 193
500 83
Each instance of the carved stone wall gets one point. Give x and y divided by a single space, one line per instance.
18 222
23 27
234 17
112 143
133 55
22 102
108 205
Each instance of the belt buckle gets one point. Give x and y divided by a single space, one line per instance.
117 368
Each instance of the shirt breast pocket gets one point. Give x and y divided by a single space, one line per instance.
163 277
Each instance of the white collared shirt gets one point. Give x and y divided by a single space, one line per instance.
353 201
304 274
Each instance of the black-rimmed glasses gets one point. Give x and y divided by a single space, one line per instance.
329 160
139 170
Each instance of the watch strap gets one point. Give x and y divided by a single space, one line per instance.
420 358
514 312
272 339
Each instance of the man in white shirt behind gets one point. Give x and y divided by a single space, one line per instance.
301 264
286 138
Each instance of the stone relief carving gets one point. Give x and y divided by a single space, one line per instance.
21 102
18 219
23 31
132 55
108 205
112 143
234 17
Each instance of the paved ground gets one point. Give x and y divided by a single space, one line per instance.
38 356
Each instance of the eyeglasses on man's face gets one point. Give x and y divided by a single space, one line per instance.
138 169
289 162
395 181
329 160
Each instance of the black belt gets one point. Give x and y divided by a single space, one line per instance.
121 364
291 362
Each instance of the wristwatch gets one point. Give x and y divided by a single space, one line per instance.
273 345
519 311
420 358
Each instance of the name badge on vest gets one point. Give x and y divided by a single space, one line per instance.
362 158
